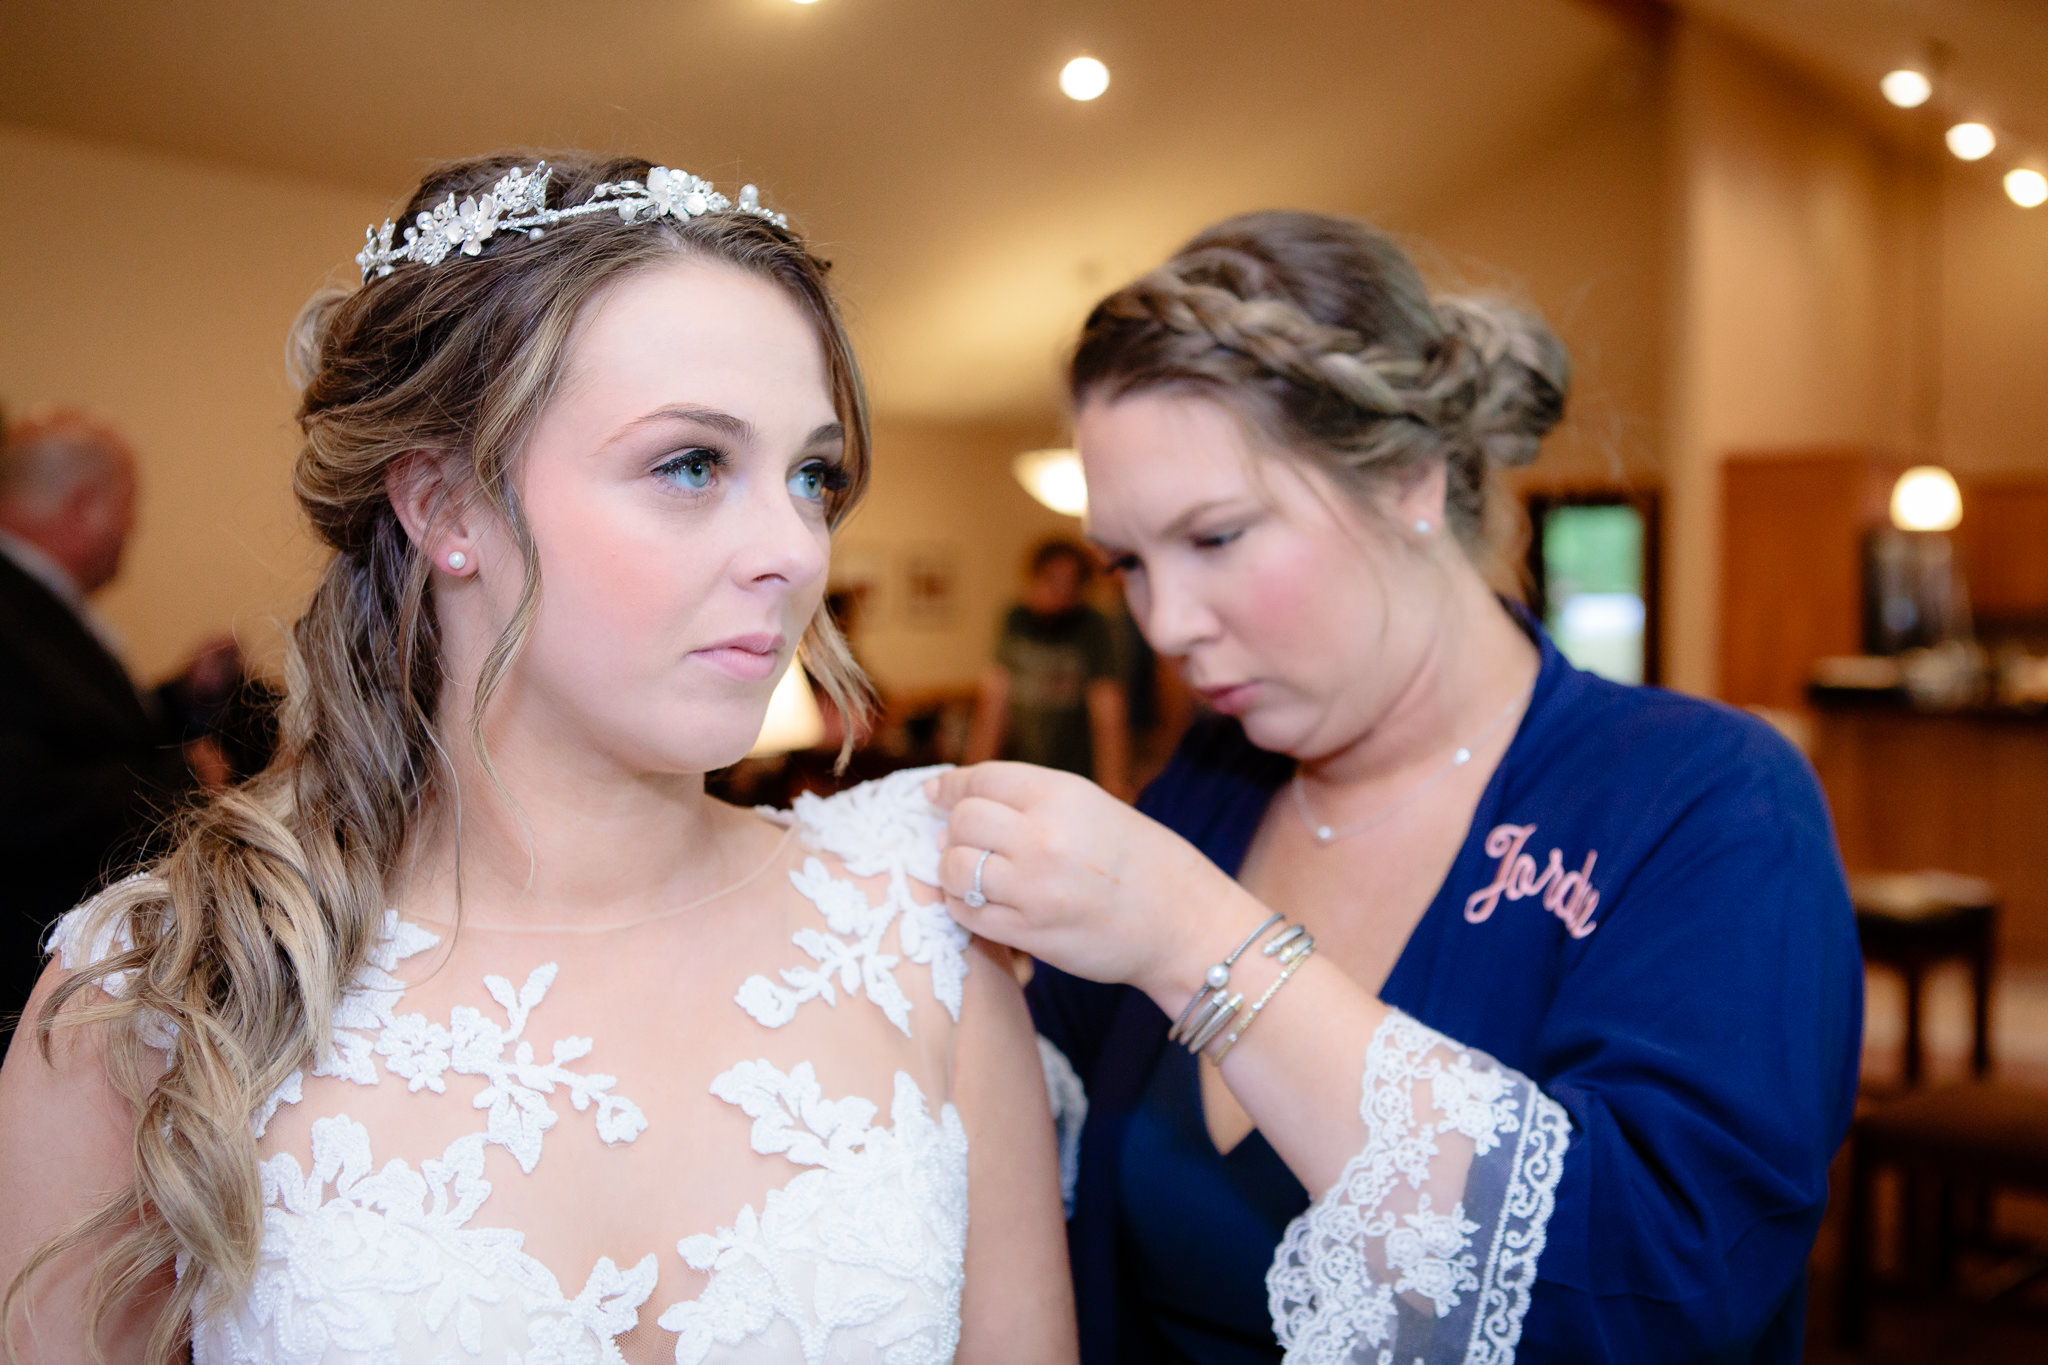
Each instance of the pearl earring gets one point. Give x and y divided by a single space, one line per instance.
1423 526
456 561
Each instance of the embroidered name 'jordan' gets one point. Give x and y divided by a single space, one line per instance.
1568 895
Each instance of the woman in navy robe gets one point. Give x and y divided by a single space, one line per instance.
1534 1000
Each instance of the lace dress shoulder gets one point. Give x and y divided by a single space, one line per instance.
377 1248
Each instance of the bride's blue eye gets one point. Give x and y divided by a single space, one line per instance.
815 479
692 469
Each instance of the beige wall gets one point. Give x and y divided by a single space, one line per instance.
1573 223
1994 364
1795 302
158 293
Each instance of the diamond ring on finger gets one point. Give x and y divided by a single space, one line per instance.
975 899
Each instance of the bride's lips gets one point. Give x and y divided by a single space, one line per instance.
1229 700
745 658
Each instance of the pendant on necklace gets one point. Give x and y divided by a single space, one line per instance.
1461 758
1324 834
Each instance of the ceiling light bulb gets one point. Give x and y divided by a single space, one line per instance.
1083 78
1906 88
2028 189
1926 499
1971 141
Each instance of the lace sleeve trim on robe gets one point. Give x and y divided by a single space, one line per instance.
1417 1256
1069 1114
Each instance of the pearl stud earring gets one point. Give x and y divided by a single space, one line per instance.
456 561
1423 526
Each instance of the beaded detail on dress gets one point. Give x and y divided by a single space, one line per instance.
857 1257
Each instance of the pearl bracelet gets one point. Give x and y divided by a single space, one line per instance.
1212 1006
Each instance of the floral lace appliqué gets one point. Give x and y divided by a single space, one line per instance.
374 1262
421 1053
882 828
1375 1251
870 1238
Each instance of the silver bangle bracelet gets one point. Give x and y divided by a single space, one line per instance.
1291 934
1209 1002
1217 1023
1216 979
1297 950
1300 953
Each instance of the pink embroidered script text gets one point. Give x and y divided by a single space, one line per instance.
1568 895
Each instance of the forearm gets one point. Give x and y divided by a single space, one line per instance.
1297 1068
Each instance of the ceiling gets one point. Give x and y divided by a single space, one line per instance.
1989 57
971 211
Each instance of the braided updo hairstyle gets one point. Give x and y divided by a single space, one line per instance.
1319 330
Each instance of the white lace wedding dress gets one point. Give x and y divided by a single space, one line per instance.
538 1146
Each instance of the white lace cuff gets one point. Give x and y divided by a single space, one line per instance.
1069 1114
1425 1250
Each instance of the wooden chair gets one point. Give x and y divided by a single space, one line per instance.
1911 921
1986 1135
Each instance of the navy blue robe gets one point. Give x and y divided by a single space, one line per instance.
1648 918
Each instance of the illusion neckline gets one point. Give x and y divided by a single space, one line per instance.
773 857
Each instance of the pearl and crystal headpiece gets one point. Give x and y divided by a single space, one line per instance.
519 203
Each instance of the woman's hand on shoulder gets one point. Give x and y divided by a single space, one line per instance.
1080 880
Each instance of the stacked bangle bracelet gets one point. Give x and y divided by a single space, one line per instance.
1215 1006
1291 954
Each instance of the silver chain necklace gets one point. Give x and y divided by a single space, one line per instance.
1330 834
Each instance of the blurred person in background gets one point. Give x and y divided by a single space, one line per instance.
1055 694
87 762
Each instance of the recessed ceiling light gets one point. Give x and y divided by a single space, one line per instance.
1971 141
1906 88
2028 189
1083 78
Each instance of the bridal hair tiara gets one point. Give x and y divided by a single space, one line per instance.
519 203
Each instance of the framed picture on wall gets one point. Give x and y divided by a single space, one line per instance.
931 586
861 570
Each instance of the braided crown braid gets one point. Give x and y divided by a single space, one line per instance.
1321 331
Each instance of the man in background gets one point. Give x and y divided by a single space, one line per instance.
1054 695
87 764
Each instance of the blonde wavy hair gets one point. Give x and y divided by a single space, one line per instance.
242 939
1320 331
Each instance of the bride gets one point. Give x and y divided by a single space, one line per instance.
473 1029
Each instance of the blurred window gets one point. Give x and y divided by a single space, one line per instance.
1591 557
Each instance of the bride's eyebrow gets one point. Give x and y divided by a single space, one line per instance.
831 434
725 424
